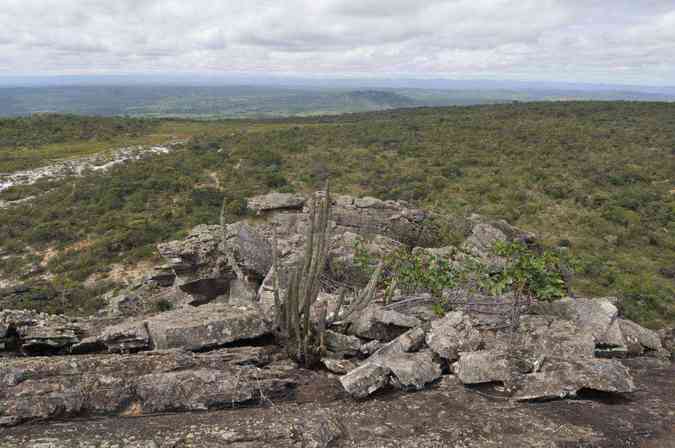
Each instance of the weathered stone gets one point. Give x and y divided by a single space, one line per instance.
201 389
591 315
545 335
481 242
241 292
161 276
211 325
483 366
276 201
342 343
129 336
55 387
667 336
365 380
201 266
452 334
377 323
410 341
560 379
411 370
251 250
37 333
637 338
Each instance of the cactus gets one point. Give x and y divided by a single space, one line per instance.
302 337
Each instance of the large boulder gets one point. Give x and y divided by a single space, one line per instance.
564 378
595 316
208 326
544 378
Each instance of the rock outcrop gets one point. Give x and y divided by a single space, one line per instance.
42 388
196 333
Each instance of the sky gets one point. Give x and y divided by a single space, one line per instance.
599 41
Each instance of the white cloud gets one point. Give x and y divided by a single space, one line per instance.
581 40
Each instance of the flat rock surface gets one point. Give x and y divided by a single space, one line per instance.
448 415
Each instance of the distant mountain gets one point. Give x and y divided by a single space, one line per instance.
260 100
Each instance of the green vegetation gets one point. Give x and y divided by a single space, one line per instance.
594 177
271 101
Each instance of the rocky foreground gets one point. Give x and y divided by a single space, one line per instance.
477 381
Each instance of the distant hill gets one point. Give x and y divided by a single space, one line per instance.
264 101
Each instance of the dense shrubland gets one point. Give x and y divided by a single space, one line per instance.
43 129
596 178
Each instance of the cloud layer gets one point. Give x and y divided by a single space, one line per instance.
622 41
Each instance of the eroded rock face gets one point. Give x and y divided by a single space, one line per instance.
42 388
37 333
199 262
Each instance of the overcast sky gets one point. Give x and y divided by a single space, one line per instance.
609 41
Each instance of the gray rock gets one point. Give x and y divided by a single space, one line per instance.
129 336
410 341
65 386
548 336
560 379
161 276
198 390
452 334
481 242
484 366
592 315
241 292
37 333
342 343
251 250
411 370
385 325
207 326
637 338
201 266
276 201
365 380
